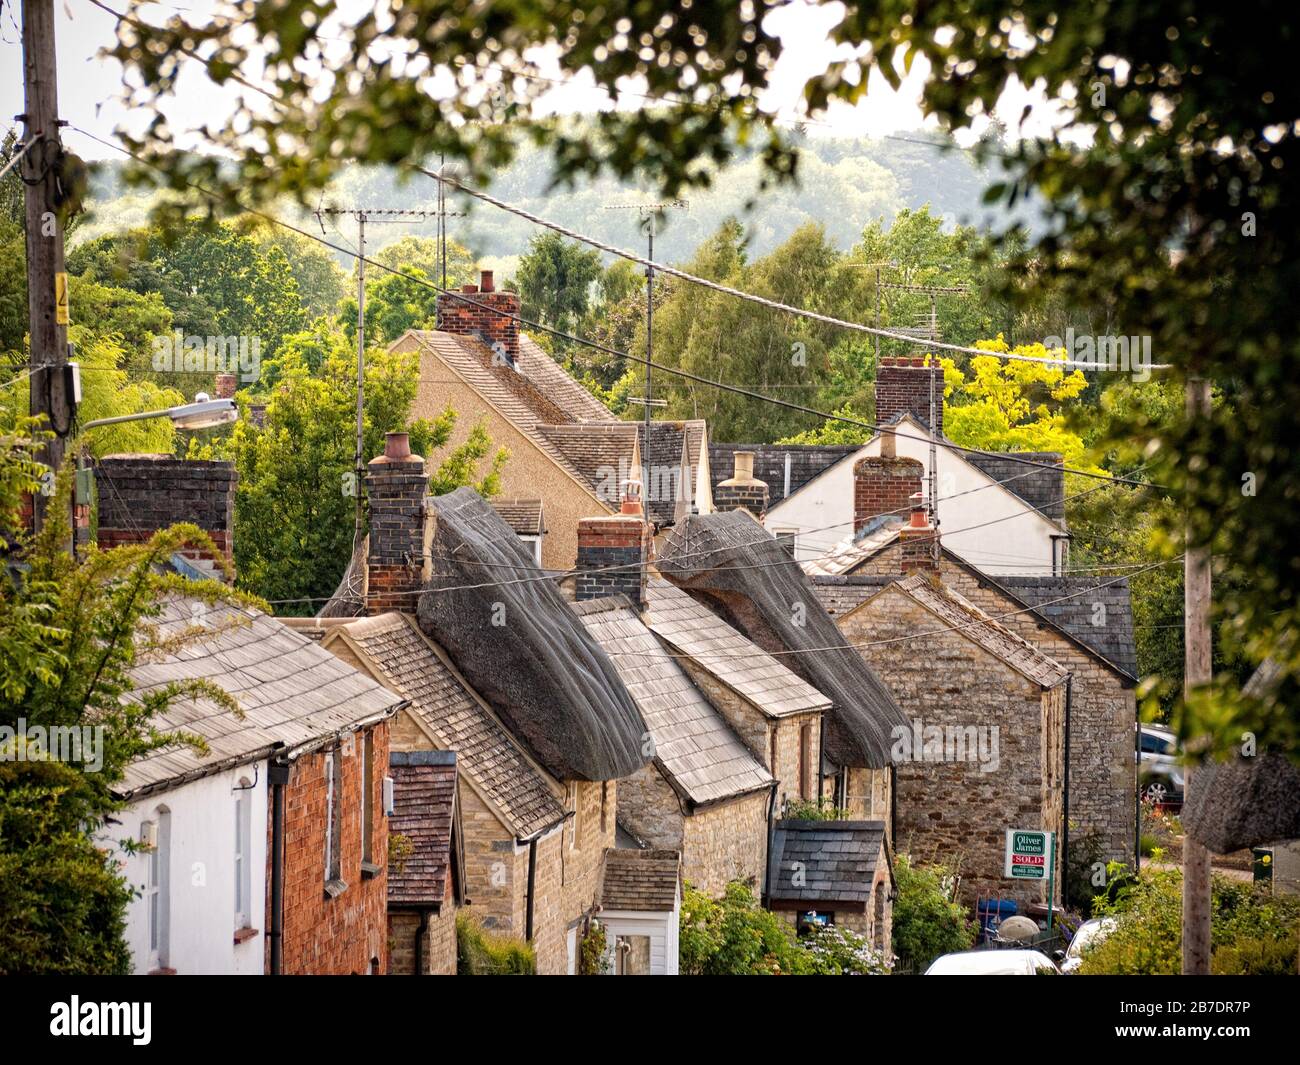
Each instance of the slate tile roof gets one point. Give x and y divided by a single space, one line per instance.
556 384
1095 611
854 550
603 453
805 461
1042 489
703 758
837 860
691 629
640 880
424 811
487 755
291 690
955 612
668 477
524 516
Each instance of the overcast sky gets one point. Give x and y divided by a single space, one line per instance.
89 85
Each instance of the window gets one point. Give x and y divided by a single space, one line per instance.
534 544
632 956
156 835
243 857
333 818
367 797
805 762
789 539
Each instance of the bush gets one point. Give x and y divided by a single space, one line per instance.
836 951
814 810
1252 932
734 936
928 922
483 953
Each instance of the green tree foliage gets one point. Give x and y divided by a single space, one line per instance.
928 921
321 282
734 936
555 280
421 253
394 304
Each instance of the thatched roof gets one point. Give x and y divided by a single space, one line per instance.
1245 801
514 638
741 570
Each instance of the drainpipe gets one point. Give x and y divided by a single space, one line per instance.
278 777
532 883
421 929
771 835
893 805
1065 798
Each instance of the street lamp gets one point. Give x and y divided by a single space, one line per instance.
203 413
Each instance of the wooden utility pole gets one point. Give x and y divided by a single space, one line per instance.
47 280
1197 672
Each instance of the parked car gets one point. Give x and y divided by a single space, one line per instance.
1160 775
994 963
1089 934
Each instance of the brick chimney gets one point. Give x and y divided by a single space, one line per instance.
140 494
485 317
742 489
613 552
884 486
226 385
903 386
396 487
917 539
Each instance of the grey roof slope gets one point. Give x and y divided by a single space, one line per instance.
513 637
837 860
640 880
957 613
841 593
1042 489
425 812
878 533
1096 611
750 579
697 632
558 385
1246 801
603 453
489 757
806 462
291 690
703 759
669 483
524 516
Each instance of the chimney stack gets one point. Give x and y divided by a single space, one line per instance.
140 494
396 486
918 539
742 490
883 486
226 385
485 315
614 551
903 387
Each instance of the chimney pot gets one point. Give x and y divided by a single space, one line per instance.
632 498
397 446
486 284
470 288
744 466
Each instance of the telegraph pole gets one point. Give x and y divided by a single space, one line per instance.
51 387
1198 671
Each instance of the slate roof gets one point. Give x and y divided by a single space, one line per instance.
704 760
424 811
640 880
557 385
668 478
691 629
524 516
956 612
840 594
852 551
544 676
738 567
1245 802
1098 611
444 704
806 462
603 453
292 692
1042 489
836 859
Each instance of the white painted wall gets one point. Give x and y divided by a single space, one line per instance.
1020 543
660 927
201 908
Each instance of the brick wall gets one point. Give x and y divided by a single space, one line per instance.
955 811
346 933
612 552
439 943
395 566
140 494
884 485
903 386
751 497
485 317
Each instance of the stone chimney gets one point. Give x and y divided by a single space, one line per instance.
396 486
483 314
226 385
917 539
614 551
140 494
742 489
884 486
903 386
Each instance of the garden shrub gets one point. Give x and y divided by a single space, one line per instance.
480 952
928 921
